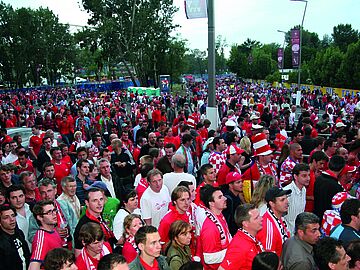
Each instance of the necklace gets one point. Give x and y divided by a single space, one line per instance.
282 226
258 243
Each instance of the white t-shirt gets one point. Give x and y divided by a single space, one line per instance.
171 180
155 205
118 224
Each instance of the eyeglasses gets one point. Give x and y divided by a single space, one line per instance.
52 212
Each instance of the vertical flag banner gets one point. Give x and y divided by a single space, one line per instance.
195 9
295 47
280 57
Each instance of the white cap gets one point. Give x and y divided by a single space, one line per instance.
230 123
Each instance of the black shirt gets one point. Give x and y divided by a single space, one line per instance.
13 250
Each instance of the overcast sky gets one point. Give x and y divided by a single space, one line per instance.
235 20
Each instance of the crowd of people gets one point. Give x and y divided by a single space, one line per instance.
125 181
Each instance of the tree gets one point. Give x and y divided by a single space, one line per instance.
34 44
324 68
350 67
344 35
220 60
133 31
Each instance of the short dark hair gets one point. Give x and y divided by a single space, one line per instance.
265 261
318 156
353 250
13 188
192 265
216 141
349 208
91 190
140 236
81 149
242 213
295 132
206 194
170 145
47 164
109 261
319 140
304 219
300 167
128 195
145 169
56 258
337 163
205 167
325 252
53 149
46 137
80 162
186 138
328 143
6 207
38 209
185 184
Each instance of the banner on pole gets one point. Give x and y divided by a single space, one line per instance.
295 47
195 9
280 58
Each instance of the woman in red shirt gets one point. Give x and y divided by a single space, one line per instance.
132 223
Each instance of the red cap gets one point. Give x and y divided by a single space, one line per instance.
233 149
232 177
348 169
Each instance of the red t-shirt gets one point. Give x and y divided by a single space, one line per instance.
129 252
43 242
155 265
81 264
35 142
61 170
309 207
240 253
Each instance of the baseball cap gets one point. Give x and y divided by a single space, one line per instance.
340 124
230 123
275 192
256 126
347 169
233 149
232 177
254 116
98 184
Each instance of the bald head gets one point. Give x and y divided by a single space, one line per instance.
178 161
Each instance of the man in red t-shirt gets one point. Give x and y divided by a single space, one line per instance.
35 141
317 164
244 246
46 238
60 167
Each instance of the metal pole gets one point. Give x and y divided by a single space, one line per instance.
211 110
211 54
301 29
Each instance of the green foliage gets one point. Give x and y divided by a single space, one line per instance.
34 44
136 33
252 60
344 35
350 66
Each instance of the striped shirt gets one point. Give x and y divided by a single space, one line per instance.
43 242
297 201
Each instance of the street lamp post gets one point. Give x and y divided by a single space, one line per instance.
283 59
301 28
